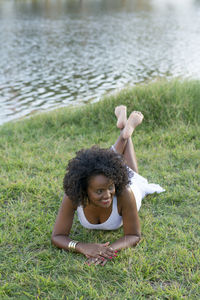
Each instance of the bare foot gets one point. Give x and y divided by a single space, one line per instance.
133 121
120 112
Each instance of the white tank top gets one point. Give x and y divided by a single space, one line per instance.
113 222
140 188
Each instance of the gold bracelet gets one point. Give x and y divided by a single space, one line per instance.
72 245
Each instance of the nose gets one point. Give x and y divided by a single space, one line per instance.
106 195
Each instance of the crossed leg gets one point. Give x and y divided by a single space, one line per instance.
124 144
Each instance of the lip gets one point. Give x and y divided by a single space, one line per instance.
106 201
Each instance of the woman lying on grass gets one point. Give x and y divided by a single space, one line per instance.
104 187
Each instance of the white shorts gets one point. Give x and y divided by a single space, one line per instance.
140 186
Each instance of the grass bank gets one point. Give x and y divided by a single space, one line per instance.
33 156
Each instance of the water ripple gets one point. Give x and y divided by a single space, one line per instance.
53 57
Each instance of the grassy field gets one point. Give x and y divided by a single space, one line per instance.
33 155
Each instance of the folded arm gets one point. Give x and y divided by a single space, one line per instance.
60 235
131 223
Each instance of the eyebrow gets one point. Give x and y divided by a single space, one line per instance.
103 187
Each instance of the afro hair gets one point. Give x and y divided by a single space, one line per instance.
90 162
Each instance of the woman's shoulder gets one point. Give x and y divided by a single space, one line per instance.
68 202
126 193
125 199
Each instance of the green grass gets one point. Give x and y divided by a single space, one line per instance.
33 155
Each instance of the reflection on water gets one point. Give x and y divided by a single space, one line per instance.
58 53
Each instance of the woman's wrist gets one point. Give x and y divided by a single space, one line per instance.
79 247
72 245
125 242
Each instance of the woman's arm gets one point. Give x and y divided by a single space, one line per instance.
60 235
63 224
131 223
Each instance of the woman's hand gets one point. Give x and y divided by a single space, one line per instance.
99 261
96 261
96 250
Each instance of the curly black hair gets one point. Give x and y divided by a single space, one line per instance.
90 162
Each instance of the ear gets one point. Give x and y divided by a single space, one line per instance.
86 201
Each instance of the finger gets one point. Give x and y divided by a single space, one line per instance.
101 258
107 250
106 244
95 260
104 262
110 253
87 262
111 250
91 261
98 262
106 255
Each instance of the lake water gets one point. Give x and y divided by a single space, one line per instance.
59 53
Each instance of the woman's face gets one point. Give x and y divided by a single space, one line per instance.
101 190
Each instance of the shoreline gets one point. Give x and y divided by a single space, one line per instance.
113 94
